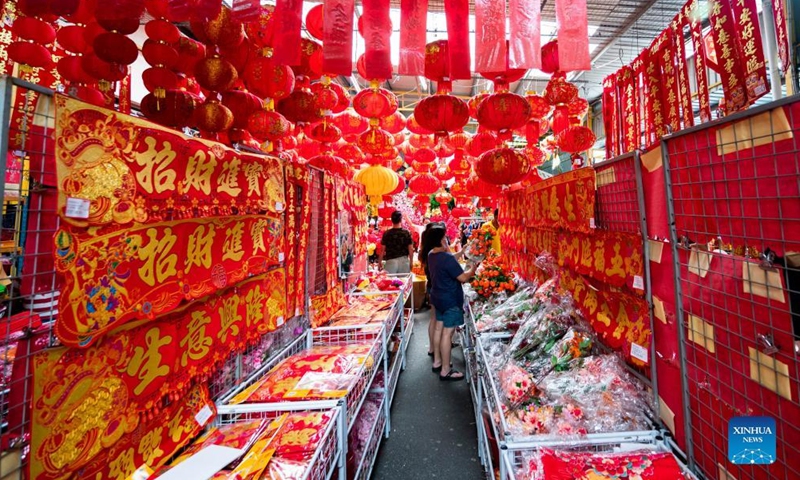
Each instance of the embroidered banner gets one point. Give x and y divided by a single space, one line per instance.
413 31
750 48
655 120
682 72
573 35
564 201
377 30
640 99
148 270
610 108
337 47
490 27
781 32
670 96
116 169
701 74
298 221
731 70
626 83
525 41
457 13
288 21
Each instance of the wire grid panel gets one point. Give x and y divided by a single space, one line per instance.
735 213
616 198
324 462
370 453
29 292
316 278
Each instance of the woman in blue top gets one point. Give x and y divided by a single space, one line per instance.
447 297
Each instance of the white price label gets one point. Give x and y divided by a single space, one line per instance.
638 282
639 352
142 473
281 256
591 223
203 415
279 321
279 206
77 208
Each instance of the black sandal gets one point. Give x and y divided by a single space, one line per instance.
450 378
430 354
439 368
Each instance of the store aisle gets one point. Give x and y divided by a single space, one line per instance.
433 425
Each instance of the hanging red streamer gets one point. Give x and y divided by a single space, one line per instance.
288 20
684 94
377 31
723 29
337 45
525 42
701 74
245 10
655 126
610 115
573 35
413 30
641 100
125 94
626 83
781 31
490 28
669 80
750 48
457 13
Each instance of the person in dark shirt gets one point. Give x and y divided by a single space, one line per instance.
447 297
397 247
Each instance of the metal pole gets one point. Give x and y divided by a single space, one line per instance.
771 45
673 238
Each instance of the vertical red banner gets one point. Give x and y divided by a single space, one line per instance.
490 28
781 31
413 31
377 31
337 45
725 45
642 99
125 94
573 35
684 94
669 98
288 20
245 10
701 74
750 48
626 85
610 109
457 12
525 50
655 125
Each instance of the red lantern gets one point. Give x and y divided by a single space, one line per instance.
158 79
375 103
375 141
480 188
175 109
213 117
330 96
401 185
535 156
215 74
423 167
121 16
540 107
352 154
578 108
34 29
267 79
444 149
100 69
394 123
424 184
475 102
308 148
460 190
559 92
576 139
502 166
408 173
88 95
329 163
161 30
503 111
386 212
242 104
190 52
443 197
480 143
310 60
460 166
421 141
437 61
31 54
444 174
260 30
442 113
414 127
458 140
424 155
222 30
550 57
158 53
300 107
268 125
71 38
325 132
115 48
70 68
314 22
351 123
460 212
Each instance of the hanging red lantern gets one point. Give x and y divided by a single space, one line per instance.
89 95
532 178
158 53
577 109
414 127
422 167
460 165
443 149
386 211
314 22
115 48
401 185
242 104
437 61
540 107
33 29
399 139
460 212
159 79
503 112
175 109
424 155
161 30
424 184
576 139
480 188
475 102
325 132
71 38
559 92
190 53
310 67
120 16
215 74
213 117
352 154
398 163
502 166
458 141
330 96
443 174
101 70
222 30
550 57
330 163
375 103
443 197
375 141
300 107
268 125
442 114
460 190
421 141
240 56
408 173
535 156
394 123
31 54
308 148
265 78
481 142
69 67
351 123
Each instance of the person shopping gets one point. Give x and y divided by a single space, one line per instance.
447 297
397 247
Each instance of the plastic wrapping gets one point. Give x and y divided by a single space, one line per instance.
524 46
358 440
548 464
413 28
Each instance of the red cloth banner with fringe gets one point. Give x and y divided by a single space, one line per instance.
457 12
337 45
626 84
413 31
701 74
669 81
610 109
684 94
525 41
377 30
288 20
750 48
490 27
573 35
781 31
723 27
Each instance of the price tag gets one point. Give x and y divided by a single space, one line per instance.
638 282
203 416
281 256
279 206
142 473
279 321
591 223
639 352
77 208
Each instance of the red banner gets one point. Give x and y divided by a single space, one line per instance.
610 109
377 30
781 31
141 172
626 84
750 48
490 27
701 74
298 221
524 45
337 45
413 31
288 21
669 79
573 35
565 201
457 12
684 93
725 43
655 124
125 94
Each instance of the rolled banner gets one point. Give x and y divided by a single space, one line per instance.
457 13
573 35
525 49
490 27
377 31
413 28
288 20
337 44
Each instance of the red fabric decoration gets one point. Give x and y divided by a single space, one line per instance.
751 50
457 13
424 184
642 465
350 123
573 35
437 61
540 107
377 30
480 143
394 123
375 103
215 74
330 96
213 117
550 57
502 166
503 112
413 30
288 20
265 78
576 139
268 125
310 67
315 22
442 113
524 40
375 141
337 49
731 69
490 28
324 132
245 10
560 92
174 110
701 73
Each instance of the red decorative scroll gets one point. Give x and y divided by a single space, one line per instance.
626 83
655 120
573 35
245 10
490 28
337 45
324 306
331 244
130 170
641 100
781 31
725 43
684 94
525 34
125 95
148 270
457 12
288 20
413 28
701 74
608 257
377 30
298 219
750 48
564 201
669 79
610 109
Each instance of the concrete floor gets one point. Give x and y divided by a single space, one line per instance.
433 426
